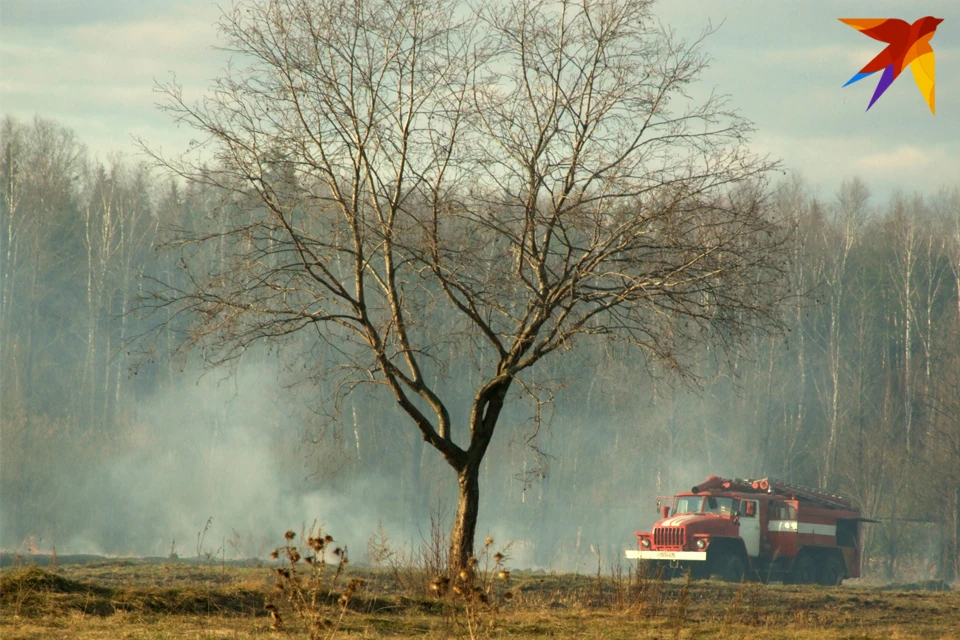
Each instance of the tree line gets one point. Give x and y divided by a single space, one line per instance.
861 394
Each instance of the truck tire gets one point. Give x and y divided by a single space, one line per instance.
699 570
756 575
804 570
832 572
729 568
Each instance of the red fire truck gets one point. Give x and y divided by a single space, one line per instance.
757 529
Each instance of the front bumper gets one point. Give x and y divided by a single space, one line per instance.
644 554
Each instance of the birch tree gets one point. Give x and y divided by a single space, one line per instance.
906 250
850 215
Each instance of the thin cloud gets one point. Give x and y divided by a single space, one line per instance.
176 35
92 66
803 59
57 13
99 78
901 158
826 161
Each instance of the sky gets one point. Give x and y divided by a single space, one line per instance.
92 66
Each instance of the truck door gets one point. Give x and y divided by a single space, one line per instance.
750 526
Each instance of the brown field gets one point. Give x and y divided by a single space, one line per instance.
153 600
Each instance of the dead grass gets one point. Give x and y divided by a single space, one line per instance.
151 601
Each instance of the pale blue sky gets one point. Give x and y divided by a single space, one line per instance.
91 65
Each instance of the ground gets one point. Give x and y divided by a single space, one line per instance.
165 599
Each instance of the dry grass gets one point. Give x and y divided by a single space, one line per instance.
153 601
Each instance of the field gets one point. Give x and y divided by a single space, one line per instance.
161 599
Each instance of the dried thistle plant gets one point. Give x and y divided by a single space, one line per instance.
477 590
308 587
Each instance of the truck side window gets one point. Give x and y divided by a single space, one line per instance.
747 509
783 511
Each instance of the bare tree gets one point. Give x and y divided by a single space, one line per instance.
117 230
793 202
842 234
418 185
40 162
906 249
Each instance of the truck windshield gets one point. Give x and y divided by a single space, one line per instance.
688 504
723 506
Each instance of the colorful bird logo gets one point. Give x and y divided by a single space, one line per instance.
906 44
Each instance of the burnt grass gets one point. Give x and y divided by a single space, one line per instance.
32 591
538 604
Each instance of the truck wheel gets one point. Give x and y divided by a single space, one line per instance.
832 572
804 571
730 568
756 575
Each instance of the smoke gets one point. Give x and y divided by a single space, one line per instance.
231 451
219 465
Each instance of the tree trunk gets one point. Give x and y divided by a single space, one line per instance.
465 522
953 559
483 420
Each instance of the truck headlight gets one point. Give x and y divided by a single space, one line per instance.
645 543
701 544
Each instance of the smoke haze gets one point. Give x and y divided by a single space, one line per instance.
860 395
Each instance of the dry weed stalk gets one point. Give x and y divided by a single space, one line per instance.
599 582
679 616
201 535
473 591
756 614
414 569
620 586
304 584
646 590
747 606
732 615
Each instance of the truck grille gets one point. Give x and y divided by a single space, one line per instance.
668 536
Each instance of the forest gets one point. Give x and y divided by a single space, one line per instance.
112 449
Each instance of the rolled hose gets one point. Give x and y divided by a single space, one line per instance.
710 483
